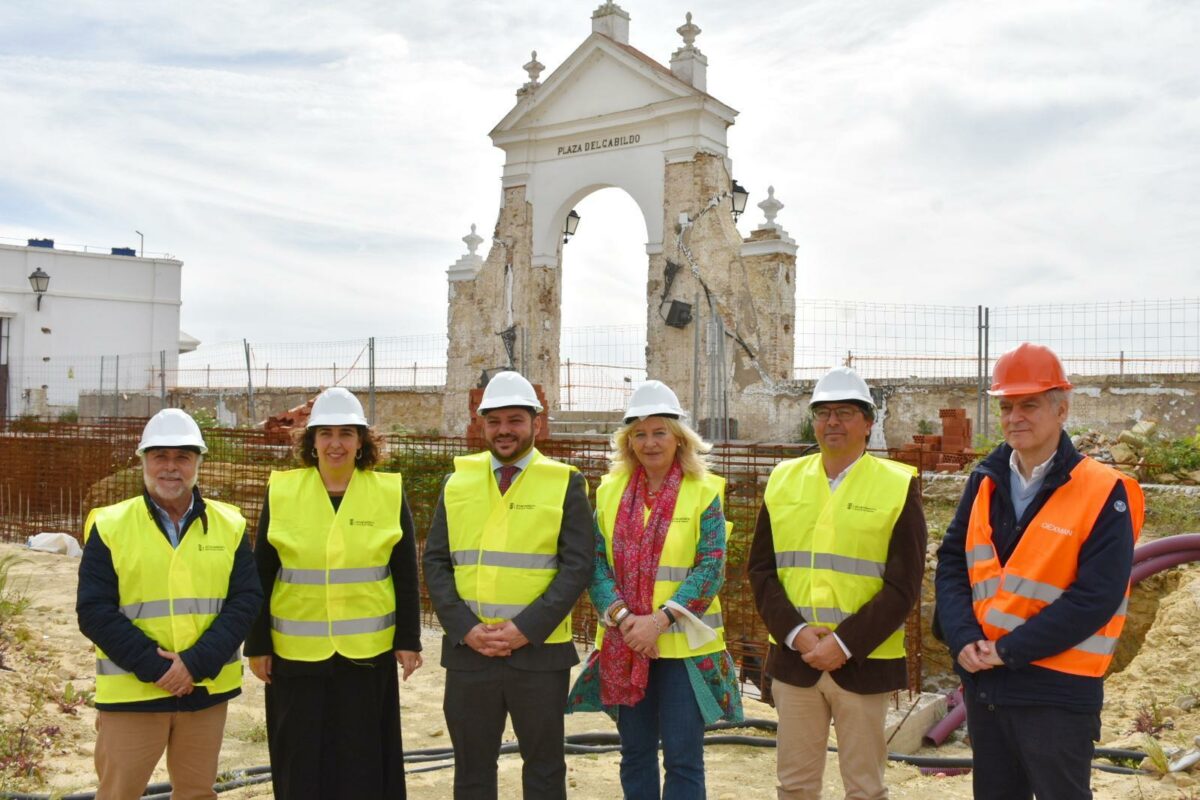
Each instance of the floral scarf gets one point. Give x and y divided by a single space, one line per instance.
637 544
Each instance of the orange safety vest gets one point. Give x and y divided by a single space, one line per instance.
1045 562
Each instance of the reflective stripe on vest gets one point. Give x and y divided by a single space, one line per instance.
106 667
829 561
1043 564
831 548
494 558
334 590
320 577
678 553
505 547
170 594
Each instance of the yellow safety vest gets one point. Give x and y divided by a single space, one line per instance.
172 594
505 550
678 554
334 590
831 548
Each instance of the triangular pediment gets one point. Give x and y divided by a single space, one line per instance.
601 77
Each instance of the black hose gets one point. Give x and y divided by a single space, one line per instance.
1115 752
591 744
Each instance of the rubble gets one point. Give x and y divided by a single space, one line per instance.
1127 452
280 425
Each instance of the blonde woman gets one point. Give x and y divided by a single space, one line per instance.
660 665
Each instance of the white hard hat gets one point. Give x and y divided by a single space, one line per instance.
336 406
507 389
171 427
841 384
653 398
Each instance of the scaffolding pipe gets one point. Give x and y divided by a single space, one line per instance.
371 370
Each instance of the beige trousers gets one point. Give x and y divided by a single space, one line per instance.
130 743
804 715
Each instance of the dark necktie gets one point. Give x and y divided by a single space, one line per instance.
507 473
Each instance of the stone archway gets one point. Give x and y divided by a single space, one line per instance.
611 115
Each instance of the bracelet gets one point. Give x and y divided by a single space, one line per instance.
622 613
670 616
654 619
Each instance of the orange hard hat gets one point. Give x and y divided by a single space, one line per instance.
1028 369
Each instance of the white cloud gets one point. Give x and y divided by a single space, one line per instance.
315 164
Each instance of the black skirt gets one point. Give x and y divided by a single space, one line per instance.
333 729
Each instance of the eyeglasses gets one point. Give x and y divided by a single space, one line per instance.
843 413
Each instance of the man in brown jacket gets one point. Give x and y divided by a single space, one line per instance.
836 565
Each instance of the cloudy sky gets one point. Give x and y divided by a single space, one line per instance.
315 164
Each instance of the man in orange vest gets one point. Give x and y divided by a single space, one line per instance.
1032 584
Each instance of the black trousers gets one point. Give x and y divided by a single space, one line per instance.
1025 751
333 730
476 705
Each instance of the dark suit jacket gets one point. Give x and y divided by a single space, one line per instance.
575 553
864 630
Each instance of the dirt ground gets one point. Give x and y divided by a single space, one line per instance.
44 652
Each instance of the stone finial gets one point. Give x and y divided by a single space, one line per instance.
467 266
533 69
688 63
612 21
689 32
769 239
472 240
770 208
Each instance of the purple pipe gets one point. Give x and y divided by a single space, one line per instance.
1151 566
949 723
1149 559
1167 544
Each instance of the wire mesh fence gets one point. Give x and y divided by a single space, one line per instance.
55 473
390 362
1120 338
883 340
600 365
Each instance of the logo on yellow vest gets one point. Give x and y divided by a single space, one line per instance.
857 507
521 506
368 523
1050 526
211 548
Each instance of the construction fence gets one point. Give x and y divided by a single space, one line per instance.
55 473
599 366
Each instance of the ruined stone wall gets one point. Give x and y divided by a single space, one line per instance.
477 312
770 288
1108 404
754 297
670 352
418 410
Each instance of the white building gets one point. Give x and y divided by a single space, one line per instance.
106 322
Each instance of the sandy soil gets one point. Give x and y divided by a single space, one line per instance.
46 650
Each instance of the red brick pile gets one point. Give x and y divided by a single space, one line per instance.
949 452
279 426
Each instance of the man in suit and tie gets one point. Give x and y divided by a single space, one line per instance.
509 552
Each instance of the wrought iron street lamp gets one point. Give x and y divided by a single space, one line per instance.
740 196
40 282
572 222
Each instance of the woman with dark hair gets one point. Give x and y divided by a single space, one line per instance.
660 666
337 558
